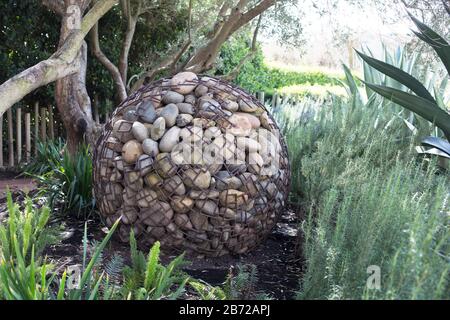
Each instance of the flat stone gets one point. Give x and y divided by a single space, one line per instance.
199 220
169 113
183 221
248 144
158 129
201 90
256 123
146 197
249 184
227 213
191 134
247 106
183 120
181 204
266 122
232 106
207 206
238 126
114 144
150 147
174 185
146 111
131 151
130 115
190 99
203 123
153 180
255 162
185 108
233 198
224 180
204 194
122 130
182 81
164 166
157 215
139 131
212 133
169 140
197 178
144 164
172 97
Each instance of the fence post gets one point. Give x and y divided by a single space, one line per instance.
274 100
28 137
43 124
95 104
50 123
36 126
1 142
9 117
262 97
19 134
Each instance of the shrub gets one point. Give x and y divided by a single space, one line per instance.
147 279
48 156
69 183
369 200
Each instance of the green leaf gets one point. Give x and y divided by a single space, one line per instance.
438 43
398 75
152 264
423 107
62 286
87 272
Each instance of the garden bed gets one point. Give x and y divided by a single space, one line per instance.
276 261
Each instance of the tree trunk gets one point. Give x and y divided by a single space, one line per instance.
71 96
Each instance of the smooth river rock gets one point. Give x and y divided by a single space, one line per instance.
169 113
140 132
182 81
169 140
158 129
131 151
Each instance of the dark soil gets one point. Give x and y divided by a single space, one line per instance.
276 259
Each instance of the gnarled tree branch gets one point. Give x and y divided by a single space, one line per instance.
59 65
111 67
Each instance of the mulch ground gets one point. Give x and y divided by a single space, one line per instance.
276 260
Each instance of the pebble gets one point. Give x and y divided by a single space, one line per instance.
146 111
186 108
207 206
169 113
182 204
139 131
158 129
131 151
197 178
183 120
232 198
169 140
172 97
183 81
150 147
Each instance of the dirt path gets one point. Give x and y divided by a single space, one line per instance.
10 180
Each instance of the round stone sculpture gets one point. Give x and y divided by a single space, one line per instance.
193 162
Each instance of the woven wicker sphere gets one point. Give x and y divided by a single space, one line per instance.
195 163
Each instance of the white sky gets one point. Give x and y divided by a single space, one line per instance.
367 26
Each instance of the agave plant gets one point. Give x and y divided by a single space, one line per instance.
419 100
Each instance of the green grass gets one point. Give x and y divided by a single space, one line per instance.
369 200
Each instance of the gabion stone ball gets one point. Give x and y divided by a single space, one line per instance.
193 162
